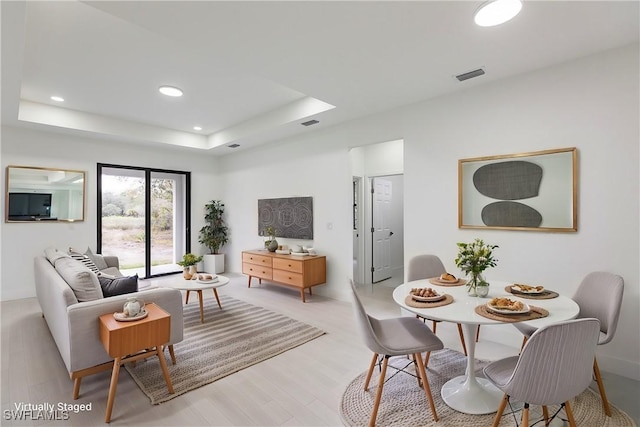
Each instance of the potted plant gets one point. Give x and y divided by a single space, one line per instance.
189 262
272 243
213 236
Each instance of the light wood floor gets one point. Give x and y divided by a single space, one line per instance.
301 387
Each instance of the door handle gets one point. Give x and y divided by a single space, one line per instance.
391 233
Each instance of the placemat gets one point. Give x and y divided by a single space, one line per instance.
544 295
535 313
448 299
437 282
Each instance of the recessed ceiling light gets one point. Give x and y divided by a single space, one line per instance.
496 12
197 128
57 98
170 91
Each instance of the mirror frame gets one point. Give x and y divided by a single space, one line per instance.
9 168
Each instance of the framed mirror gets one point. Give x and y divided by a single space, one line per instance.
44 194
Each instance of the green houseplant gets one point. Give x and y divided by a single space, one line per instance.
214 235
189 262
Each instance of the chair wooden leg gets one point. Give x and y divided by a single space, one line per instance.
477 333
503 404
426 358
525 415
464 347
434 326
603 394
545 415
524 341
425 385
371 366
567 408
376 404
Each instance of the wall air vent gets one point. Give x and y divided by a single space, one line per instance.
469 75
233 145
309 123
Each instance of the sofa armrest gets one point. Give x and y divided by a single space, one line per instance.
87 349
112 261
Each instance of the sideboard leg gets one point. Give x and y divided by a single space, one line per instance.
302 294
249 282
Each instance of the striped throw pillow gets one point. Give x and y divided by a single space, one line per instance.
85 260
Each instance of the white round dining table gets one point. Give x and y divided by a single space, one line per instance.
467 393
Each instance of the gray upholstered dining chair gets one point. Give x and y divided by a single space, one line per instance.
553 367
426 267
599 295
401 336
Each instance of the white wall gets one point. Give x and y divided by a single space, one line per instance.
22 241
590 103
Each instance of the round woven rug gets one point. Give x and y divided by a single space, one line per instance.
404 404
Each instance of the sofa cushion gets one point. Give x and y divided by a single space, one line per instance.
84 260
81 280
112 286
110 272
52 254
97 259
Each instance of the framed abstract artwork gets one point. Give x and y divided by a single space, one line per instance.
290 217
534 191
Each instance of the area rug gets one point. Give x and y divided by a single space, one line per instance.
404 404
231 339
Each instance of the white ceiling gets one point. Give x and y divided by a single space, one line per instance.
253 71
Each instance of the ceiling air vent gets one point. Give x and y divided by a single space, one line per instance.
469 75
309 123
233 145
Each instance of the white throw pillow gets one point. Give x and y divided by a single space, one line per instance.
53 254
81 280
97 259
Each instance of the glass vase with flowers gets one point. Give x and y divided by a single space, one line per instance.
473 259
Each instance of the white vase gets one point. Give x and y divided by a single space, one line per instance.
213 263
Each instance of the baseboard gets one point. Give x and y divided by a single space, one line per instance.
614 365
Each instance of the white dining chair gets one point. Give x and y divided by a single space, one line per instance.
553 367
401 336
425 267
600 296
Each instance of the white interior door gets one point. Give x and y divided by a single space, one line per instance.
380 228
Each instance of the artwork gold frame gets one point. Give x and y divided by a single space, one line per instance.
535 191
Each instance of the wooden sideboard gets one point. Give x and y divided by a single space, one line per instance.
299 271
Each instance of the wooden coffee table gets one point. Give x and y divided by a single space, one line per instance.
132 341
196 286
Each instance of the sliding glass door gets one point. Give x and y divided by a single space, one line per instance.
143 218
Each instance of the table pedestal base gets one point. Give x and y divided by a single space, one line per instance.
471 395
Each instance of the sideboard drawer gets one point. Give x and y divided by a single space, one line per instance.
260 271
288 277
256 259
288 265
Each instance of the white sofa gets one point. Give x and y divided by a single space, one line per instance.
74 325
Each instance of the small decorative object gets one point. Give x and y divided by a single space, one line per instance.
189 262
132 307
272 243
474 258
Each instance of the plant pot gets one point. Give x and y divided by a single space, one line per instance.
213 263
273 245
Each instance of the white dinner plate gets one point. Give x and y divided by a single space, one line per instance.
525 309
446 281
207 281
530 292
427 299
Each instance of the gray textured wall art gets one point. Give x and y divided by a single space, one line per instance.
512 180
291 217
